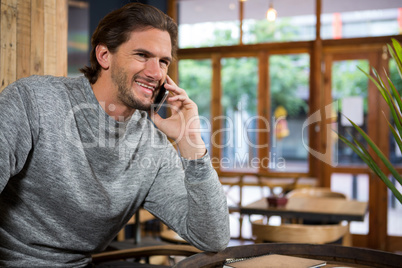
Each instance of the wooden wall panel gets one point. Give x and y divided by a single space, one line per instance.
23 38
33 39
37 37
50 40
8 41
61 39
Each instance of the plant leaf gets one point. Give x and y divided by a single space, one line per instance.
396 55
394 92
379 79
380 88
397 47
395 110
366 157
396 95
397 137
383 158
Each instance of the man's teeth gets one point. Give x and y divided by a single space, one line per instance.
143 85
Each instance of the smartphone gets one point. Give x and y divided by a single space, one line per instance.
160 98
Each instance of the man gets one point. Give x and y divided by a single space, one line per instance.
79 156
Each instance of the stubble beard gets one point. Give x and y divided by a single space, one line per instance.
124 91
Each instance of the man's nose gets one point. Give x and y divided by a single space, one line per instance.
153 69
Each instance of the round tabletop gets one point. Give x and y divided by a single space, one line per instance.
333 255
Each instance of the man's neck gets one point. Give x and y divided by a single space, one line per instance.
113 107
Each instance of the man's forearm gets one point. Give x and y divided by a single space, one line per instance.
192 147
208 218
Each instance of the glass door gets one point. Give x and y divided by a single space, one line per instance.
349 100
347 93
350 94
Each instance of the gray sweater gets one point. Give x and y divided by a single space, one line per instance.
71 177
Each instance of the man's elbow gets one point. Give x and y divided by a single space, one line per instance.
219 245
215 242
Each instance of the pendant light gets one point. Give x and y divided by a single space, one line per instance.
271 13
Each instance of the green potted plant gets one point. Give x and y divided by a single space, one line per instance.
394 101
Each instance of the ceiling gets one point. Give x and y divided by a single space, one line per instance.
194 11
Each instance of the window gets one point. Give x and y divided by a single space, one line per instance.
239 104
341 19
354 187
349 96
208 23
289 95
195 78
291 24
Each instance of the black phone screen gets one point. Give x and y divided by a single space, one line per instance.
160 98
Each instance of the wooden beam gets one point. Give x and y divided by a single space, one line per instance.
315 100
318 8
172 10
216 110
263 106
273 48
241 15
378 194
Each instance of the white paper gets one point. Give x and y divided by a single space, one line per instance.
352 108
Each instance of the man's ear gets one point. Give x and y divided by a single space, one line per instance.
103 56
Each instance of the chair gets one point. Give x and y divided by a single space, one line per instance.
143 216
117 258
306 182
159 235
171 236
300 233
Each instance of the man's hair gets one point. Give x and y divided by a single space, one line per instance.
115 29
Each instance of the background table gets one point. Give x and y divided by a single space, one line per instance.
318 209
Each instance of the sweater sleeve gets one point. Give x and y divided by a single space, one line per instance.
17 113
189 198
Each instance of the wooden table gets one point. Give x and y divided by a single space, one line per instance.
232 179
334 255
317 209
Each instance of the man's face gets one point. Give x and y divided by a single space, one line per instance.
139 67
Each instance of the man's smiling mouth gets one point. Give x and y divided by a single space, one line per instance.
146 86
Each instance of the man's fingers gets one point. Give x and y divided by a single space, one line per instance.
178 98
170 81
173 88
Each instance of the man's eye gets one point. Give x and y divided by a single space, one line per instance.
164 63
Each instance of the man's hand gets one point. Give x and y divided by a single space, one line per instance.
183 126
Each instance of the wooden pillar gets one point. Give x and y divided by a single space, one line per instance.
264 113
317 102
33 39
216 110
174 67
241 16
378 131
